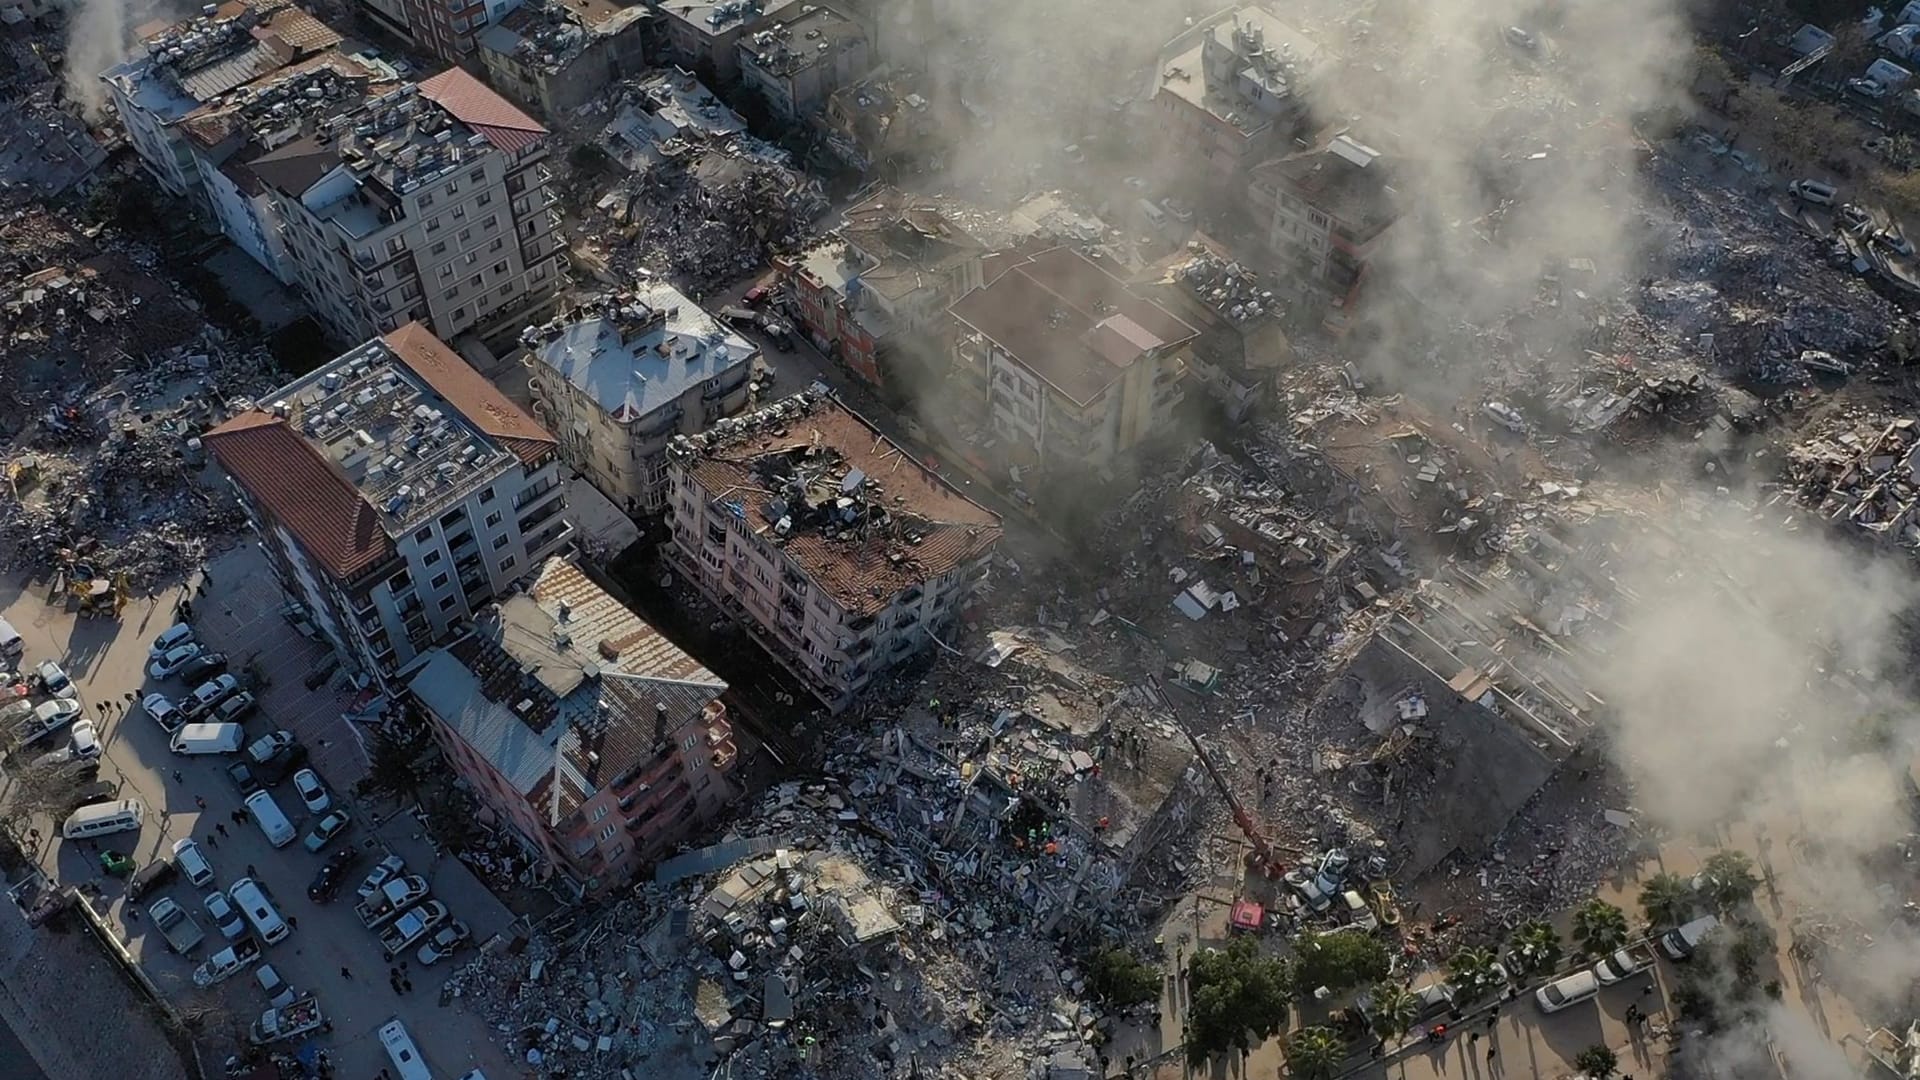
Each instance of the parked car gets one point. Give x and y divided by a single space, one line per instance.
150 877
263 748
382 872
225 917
169 663
243 778
443 943
326 830
312 792
164 712
1813 191
204 666
53 679
232 710
193 862
208 694
276 768
86 740
279 994
171 638
326 884
89 792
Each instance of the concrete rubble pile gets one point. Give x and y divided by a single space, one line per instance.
1864 478
1228 287
702 235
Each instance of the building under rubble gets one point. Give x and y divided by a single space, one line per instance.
796 61
883 282
554 57
595 739
396 493
618 377
1232 91
840 553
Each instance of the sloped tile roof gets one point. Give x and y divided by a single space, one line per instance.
467 390
301 491
489 114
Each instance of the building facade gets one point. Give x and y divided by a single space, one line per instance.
1073 368
595 739
449 29
430 202
617 378
797 61
553 57
883 283
1231 92
835 549
396 493
1326 212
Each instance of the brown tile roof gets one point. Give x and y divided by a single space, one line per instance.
1070 320
489 114
467 390
301 491
861 574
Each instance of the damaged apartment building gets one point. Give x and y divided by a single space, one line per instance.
1326 211
597 740
1232 92
618 377
1242 346
701 35
798 60
448 29
554 57
1065 367
883 282
396 493
879 120
835 548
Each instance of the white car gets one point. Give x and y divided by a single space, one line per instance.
170 639
168 663
262 749
86 740
52 714
380 875
53 679
209 693
312 791
164 712
225 916
187 856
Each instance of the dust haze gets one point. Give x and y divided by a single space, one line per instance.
99 36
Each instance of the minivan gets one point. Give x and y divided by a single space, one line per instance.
405 1055
208 739
11 643
1679 943
113 817
273 823
1571 990
252 901
1813 191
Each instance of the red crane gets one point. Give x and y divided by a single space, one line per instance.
1263 857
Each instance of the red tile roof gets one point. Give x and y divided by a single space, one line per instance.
301 491
467 390
473 104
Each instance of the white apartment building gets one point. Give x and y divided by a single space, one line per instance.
430 202
831 544
396 492
617 378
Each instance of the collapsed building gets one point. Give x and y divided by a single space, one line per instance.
553 57
837 550
702 35
46 150
1865 482
880 119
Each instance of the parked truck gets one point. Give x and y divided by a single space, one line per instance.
1624 964
390 899
410 927
182 933
227 963
298 1018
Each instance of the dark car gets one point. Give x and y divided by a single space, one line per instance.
326 883
203 667
98 791
235 708
282 764
243 778
150 877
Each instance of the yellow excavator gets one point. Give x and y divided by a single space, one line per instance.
98 595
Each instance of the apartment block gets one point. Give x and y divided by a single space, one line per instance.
883 282
1326 211
554 57
619 377
701 36
397 494
1232 91
1074 369
430 203
834 547
799 59
449 29
183 66
598 741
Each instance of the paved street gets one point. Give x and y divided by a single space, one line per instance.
329 953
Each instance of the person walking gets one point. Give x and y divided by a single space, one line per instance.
1491 1051
293 922
345 974
178 778
213 843
200 802
220 827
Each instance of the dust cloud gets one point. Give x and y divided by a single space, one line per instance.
99 36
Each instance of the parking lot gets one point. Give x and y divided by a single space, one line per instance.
329 953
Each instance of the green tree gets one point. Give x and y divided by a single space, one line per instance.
1118 979
1667 899
1392 1009
1599 927
1597 1062
393 762
1339 961
1474 973
1534 949
1313 1053
1727 879
1240 995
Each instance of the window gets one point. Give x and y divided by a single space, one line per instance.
474 281
426 201
447 602
459 213
486 496
493 220
396 245
607 833
466 235
485 198
477 175
453 293
439 248
499 268
507 289
410 290
506 564
423 534
599 813
496 245
459 313
439 581
433 223
453 187
501 541
432 558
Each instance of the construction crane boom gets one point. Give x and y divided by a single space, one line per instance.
1263 856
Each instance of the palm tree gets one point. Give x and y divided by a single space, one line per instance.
1599 927
1534 948
1392 1009
1667 899
1474 972
1597 1062
1313 1053
1727 879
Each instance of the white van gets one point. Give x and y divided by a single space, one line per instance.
273 823
208 739
1814 192
1679 943
11 643
103 818
1154 216
1569 991
252 901
406 1056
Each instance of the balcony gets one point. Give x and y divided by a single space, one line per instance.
724 755
364 259
649 815
545 513
535 494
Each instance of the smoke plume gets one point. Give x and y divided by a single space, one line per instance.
99 36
